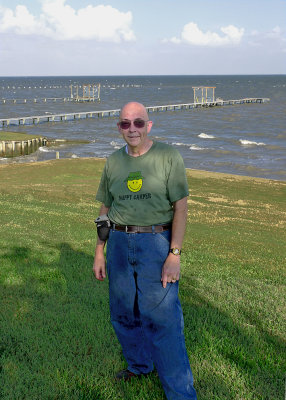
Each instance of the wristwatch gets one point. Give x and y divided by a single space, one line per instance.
176 251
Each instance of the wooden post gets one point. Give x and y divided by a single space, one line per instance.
18 149
3 147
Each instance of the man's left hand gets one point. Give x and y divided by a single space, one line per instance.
170 270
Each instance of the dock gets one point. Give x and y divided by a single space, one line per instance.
47 100
29 120
15 148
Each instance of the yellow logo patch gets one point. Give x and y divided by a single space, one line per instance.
134 181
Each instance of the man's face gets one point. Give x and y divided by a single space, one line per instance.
135 137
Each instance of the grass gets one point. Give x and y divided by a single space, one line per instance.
7 135
56 338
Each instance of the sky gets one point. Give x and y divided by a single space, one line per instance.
142 37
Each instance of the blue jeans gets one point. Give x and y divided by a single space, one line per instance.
146 317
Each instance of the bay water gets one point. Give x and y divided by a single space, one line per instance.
241 139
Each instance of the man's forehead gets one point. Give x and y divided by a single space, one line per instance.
136 110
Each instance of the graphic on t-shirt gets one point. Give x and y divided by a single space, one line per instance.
134 181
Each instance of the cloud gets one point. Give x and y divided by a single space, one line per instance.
192 34
60 21
271 39
276 33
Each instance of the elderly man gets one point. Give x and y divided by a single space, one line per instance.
144 191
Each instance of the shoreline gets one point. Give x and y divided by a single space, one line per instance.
197 173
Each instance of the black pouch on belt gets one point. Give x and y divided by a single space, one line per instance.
103 227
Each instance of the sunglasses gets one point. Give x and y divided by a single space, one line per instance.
138 123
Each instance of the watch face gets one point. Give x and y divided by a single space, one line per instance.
175 251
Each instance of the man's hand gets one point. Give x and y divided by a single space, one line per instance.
99 265
170 270
99 260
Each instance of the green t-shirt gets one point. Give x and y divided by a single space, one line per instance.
141 190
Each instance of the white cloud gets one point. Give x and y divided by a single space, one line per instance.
192 34
274 38
20 21
61 22
276 33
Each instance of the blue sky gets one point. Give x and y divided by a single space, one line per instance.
142 37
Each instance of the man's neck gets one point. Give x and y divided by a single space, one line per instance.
139 151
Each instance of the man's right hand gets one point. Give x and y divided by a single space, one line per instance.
99 265
99 260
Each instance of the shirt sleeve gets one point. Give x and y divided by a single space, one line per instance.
177 185
103 194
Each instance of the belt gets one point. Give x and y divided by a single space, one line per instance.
141 229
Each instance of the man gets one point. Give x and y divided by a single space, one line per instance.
144 191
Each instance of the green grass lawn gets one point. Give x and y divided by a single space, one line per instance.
17 136
56 340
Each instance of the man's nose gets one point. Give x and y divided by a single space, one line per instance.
132 127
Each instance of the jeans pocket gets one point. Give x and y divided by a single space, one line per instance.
165 236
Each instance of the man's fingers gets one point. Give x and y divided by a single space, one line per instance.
99 274
164 281
169 279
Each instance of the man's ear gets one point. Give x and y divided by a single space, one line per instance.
150 124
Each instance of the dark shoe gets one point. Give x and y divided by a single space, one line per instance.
126 375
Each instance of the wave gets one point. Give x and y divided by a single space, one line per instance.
190 146
45 150
195 147
205 136
180 144
115 145
250 143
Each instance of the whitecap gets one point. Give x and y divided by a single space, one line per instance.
195 147
250 143
181 144
115 145
205 136
178 144
45 150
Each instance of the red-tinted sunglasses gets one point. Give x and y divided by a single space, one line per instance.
138 123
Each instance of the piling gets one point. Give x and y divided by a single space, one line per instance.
15 148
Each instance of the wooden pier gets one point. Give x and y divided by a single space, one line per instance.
14 148
4 122
47 100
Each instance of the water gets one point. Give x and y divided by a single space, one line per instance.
241 139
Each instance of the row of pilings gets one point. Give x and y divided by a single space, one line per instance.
15 148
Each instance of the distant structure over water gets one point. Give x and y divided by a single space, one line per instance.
205 102
90 92
203 94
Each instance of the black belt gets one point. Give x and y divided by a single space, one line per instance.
141 229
